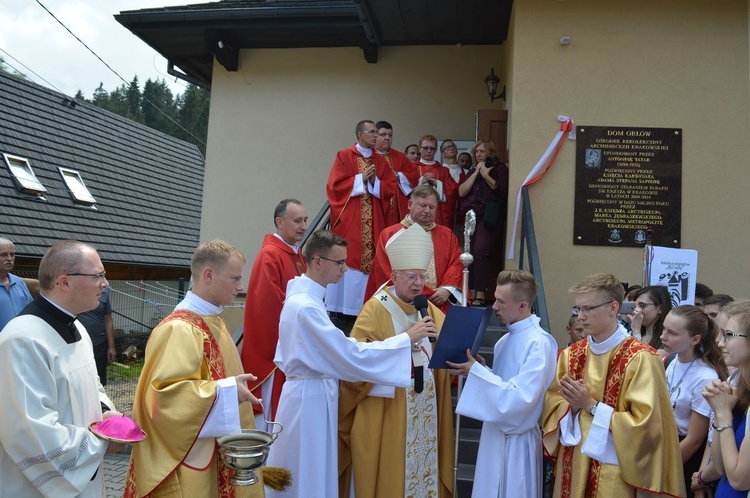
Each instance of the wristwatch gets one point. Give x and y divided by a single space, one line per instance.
719 428
592 410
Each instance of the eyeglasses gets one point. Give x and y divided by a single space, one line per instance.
340 262
412 277
448 147
727 334
577 310
100 276
428 148
370 132
645 305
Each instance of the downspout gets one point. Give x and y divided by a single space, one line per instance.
180 75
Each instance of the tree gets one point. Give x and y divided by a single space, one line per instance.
134 102
193 116
4 68
159 106
100 97
184 116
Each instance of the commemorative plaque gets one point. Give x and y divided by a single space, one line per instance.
628 181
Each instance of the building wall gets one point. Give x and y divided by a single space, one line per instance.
276 124
670 64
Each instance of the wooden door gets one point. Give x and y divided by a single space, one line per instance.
493 124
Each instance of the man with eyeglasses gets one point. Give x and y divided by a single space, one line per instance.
607 419
360 187
314 355
401 168
432 172
378 423
50 391
445 272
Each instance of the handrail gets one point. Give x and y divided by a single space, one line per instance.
528 243
322 220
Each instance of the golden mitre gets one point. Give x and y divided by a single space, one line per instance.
410 249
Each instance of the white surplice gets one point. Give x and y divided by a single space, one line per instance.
314 355
509 400
50 394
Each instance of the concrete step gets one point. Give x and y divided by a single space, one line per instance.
464 480
469 445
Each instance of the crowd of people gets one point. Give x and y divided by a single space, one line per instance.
368 191
651 402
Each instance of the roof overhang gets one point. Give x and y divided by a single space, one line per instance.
190 36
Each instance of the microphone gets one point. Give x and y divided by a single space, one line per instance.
420 302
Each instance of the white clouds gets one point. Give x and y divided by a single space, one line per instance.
31 35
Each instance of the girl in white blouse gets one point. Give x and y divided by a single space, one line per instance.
690 335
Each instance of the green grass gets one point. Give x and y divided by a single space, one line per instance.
117 373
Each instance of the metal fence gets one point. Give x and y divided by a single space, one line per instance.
137 307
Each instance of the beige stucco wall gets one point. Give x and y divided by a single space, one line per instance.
276 124
679 64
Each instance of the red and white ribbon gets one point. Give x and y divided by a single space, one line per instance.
567 128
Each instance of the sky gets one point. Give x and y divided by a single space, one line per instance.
30 35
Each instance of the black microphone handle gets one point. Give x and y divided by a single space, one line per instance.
423 313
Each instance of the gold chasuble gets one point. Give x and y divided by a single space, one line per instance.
378 433
629 377
185 356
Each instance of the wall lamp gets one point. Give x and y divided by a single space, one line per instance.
492 81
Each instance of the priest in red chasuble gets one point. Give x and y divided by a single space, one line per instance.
278 261
402 170
445 271
431 171
607 417
359 188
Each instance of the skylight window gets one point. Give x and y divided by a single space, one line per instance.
24 175
77 188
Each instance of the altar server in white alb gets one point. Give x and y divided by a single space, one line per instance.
50 391
509 398
314 355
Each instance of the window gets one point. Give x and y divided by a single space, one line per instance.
24 175
77 188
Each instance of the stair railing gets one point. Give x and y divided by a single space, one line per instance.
528 244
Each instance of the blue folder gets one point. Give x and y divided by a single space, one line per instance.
463 329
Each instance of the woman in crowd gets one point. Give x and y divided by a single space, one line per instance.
652 304
689 334
485 190
703 481
730 450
